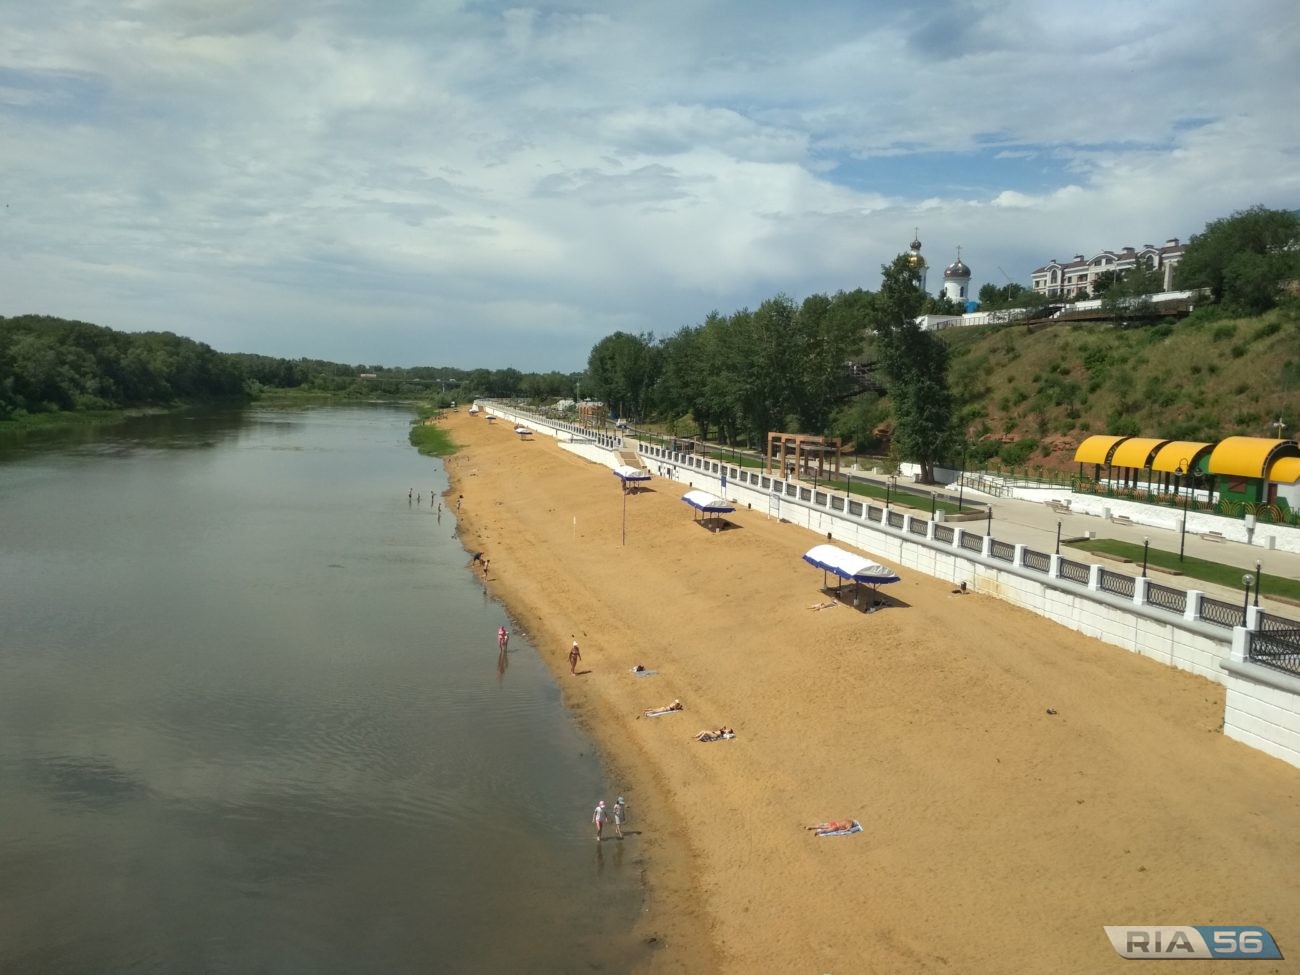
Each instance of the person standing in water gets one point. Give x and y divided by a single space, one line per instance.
503 638
598 817
620 814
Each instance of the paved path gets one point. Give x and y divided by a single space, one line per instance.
1034 523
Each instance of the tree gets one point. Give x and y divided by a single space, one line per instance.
1010 295
1244 259
916 363
622 369
1126 295
941 304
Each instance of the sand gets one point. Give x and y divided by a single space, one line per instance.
997 837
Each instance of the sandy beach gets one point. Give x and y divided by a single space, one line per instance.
997 837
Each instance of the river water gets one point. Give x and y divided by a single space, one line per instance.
253 717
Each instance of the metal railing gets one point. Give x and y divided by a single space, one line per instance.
972 542
943 533
1002 551
1166 597
1074 571
918 527
874 513
1218 612
1038 561
1276 643
894 519
1117 583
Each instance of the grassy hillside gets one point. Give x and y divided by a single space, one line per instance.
1033 393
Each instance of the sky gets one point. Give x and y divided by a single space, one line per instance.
481 184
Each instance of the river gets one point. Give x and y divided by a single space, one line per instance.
253 717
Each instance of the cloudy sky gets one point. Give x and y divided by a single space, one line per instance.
404 182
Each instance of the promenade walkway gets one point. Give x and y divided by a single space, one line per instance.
1034 524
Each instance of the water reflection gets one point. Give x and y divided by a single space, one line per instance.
246 723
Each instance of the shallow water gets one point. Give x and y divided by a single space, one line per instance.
253 717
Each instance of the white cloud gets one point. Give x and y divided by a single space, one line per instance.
467 183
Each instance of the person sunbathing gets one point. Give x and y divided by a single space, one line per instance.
832 826
715 734
666 709
639 668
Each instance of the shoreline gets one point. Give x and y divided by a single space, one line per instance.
678 941
1017 783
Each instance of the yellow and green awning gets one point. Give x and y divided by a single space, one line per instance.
1179 453
1248 456
1136 452
1097 449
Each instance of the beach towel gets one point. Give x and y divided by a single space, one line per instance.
656 712
643 673
717 737
855 828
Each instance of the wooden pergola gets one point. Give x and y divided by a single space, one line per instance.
803 447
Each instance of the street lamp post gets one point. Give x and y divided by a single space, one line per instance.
1182 472
933 498
989 529
887 482
1246 581
1146 545
1259 581
1058 536
961 483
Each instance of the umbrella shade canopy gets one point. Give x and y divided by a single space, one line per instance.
629 473
707 502
522 430
846 565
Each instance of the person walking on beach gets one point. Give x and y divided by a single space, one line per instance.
598 817
503 638
574 656
620 813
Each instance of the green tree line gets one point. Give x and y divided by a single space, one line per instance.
816 367
52 365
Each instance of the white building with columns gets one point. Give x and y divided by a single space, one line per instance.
1066 278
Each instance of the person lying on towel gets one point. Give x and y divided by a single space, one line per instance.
666 709
715 734
832 826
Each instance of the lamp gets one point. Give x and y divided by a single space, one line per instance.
1182 470
1146 545
1058 536
961 483
1246 581
1259 581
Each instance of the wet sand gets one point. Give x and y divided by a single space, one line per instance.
996 837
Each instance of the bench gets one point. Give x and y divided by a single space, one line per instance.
1213 537
1121 519
1060 507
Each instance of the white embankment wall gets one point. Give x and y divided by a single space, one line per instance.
1187 630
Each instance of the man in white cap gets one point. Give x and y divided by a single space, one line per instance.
620 811
598 817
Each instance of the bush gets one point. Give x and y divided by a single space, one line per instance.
1016 453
